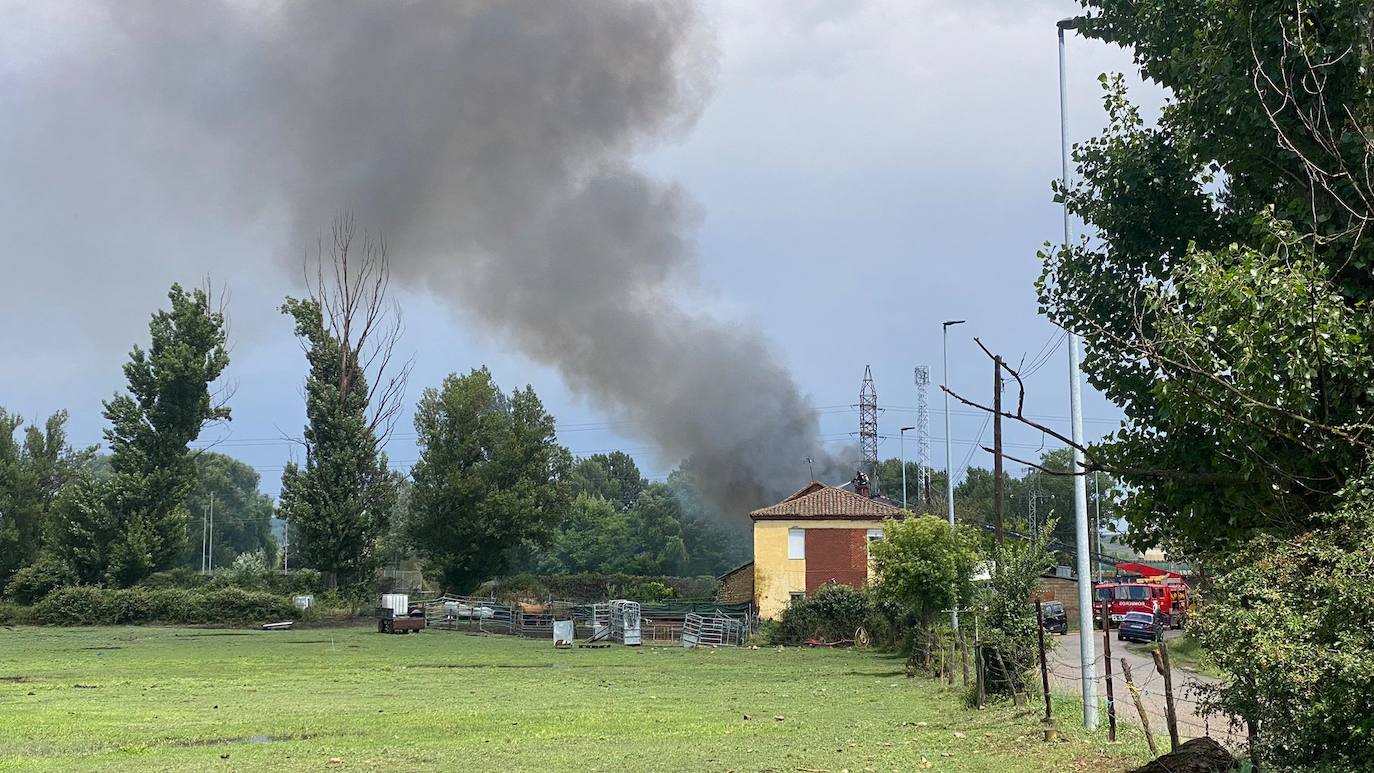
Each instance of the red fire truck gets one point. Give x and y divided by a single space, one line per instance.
1166 597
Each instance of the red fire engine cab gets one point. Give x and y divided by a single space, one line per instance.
1166 597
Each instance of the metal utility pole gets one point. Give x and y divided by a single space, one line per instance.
997 446
1086 642
204 532
901 445
1097 529
949 458
210 548
923 434
868 426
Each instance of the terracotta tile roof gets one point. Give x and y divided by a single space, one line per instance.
821 501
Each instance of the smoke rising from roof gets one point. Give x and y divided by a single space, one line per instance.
494 145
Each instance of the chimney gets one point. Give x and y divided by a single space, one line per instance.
861 484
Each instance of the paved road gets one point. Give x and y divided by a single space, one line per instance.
1064 679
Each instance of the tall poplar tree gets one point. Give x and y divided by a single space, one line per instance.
123 528
339 502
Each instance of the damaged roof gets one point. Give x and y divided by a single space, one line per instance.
818 500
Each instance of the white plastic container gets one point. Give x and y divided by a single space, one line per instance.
398 603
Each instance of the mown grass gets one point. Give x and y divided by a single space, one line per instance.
137 698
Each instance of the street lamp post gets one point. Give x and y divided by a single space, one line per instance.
1086 640
949 454
901 452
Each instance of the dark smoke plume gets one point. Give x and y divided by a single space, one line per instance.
494 144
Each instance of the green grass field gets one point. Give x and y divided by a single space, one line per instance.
149 698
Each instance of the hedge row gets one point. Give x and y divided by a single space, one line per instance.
123 606
600 587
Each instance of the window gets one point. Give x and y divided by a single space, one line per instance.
873 536
795 596
796 543
1132 593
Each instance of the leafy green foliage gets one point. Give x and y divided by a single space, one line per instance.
88 605
923 567
1223 293
833 613
490 474
31 475
123 528
339 502
590 587
1291 621
594 537
1005 609
243 515
39 578
614 477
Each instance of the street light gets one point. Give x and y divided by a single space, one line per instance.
949 454
901 453
1086 643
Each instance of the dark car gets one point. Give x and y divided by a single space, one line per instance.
1140 626
1054 618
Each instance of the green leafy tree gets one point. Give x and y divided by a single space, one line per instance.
1288 621
656 531
242 514
124 527
339 502
614 477
31 475
593 537
1223 294
930 502
715 541
923 567
490 474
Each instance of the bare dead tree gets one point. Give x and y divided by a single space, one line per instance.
350 281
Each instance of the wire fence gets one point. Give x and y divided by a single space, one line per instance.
1191 718
660 623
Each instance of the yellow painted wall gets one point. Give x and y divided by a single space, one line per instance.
776 577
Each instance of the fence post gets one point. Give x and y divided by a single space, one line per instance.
1161 656
949 664
963 654
1139 707
980 672
1044 671
1107 662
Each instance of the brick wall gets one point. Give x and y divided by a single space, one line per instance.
737 586
836 555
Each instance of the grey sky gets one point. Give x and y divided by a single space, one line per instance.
860 171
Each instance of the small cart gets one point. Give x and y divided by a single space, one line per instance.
389 622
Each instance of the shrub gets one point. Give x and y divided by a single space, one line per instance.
832 613
180 577
1289 621
601 587
1006 612
38 579
14 614
650 593
90 605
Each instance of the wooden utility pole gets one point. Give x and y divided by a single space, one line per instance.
997 444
